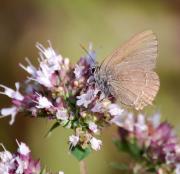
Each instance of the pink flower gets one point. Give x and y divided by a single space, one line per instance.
20 162
55 89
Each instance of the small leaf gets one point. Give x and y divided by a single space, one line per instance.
129 147
121 146
43 171
54 126
64 123
80 153
134 150
119 166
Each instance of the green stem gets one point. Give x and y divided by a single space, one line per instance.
83 167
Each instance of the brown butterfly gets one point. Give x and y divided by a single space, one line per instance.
128 73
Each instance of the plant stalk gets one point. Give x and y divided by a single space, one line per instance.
83 167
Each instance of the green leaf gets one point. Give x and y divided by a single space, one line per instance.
80 153
43 171
121 146
119 166
129 147
134 150
54 126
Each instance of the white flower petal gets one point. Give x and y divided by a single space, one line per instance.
30 68
78 71
98 107
23 149
155 119
22 165
7 91
73 140
95 144
43 102
129 122
86 98
114 109
5 156
93 127
62 114
177 170
4 168
141 124
10 111
117 120
12 93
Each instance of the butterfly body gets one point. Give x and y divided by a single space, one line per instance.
102 81
128 73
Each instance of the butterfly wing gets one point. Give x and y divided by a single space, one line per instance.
130 71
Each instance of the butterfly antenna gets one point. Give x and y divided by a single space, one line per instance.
86 52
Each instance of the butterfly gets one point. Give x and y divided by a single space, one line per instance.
128 73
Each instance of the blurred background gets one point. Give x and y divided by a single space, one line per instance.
68 23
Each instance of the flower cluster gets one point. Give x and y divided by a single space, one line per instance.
68 94
20 162
154 144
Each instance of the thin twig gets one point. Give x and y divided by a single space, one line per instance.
83 167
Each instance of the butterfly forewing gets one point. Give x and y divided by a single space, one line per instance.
129 71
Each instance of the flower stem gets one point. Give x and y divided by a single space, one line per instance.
83 167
